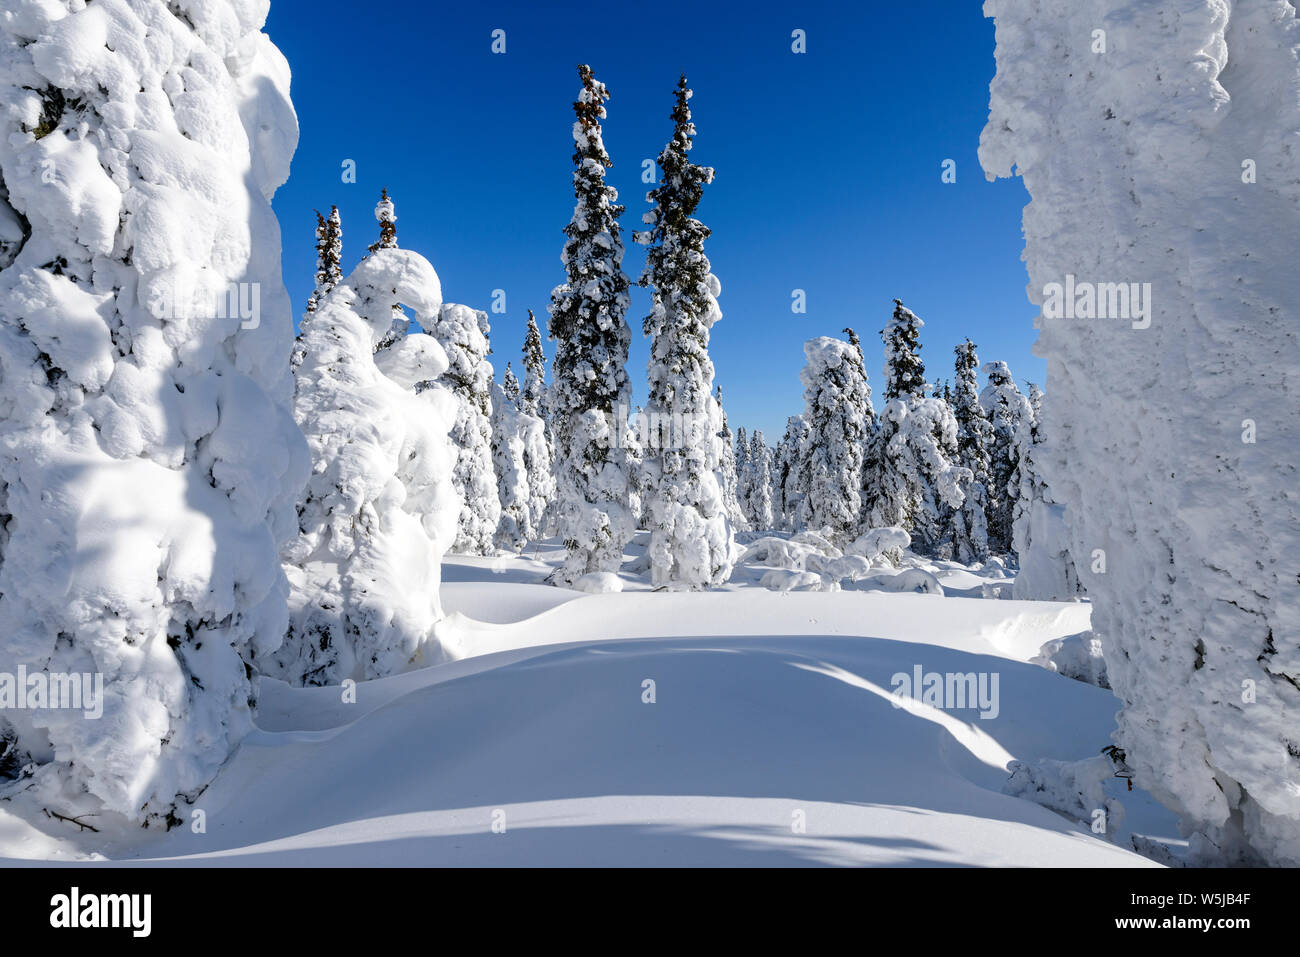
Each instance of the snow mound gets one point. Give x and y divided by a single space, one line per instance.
1075 656
1075 788
785 580
888 543
910 579
599 583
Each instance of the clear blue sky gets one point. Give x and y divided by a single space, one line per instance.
828 165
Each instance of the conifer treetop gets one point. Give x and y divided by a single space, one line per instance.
387 217
904 370
533 391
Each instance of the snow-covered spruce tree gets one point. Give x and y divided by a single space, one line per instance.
641 480
741 457
904 370
689 520
786 493
1035 402
539 457
970 536
1171 436
532 394
590 389
1039 534
510 386
915 444
329 256
835 403
759 501
380 509
386 213
728 477
463 334
510 436
870 438
1009 414
148 458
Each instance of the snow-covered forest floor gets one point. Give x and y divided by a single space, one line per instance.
772 738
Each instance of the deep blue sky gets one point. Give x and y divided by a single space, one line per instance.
828 165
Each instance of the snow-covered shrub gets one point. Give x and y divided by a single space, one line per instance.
850 567
778 553
1075 656
1172 427
881 544
788 579
1074 788
599 583
916 580
380 510
148 460
819 540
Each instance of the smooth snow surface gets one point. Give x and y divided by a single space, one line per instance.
772 739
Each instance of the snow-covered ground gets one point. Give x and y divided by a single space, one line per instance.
772 739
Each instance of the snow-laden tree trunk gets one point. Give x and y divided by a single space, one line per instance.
590 394
148 460
463 334
380 510
1159 145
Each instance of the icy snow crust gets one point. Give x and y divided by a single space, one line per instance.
1135 159
148 460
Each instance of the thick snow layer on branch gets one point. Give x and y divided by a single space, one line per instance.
148 461
1159 144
